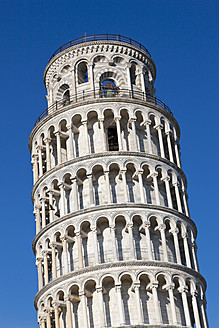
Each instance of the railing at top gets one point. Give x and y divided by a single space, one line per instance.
100 37
102 94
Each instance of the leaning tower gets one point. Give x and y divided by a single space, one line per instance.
115 244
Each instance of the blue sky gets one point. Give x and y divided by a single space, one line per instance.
182 37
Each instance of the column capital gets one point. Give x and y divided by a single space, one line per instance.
47 139
184 235
174 231
183 289
147 122
140 171
155 284
117 118
162 227
194 293
69 127
99 289
158 126
118 287
166 178
101 119
64 238
169 132
147 224
154 174
128 65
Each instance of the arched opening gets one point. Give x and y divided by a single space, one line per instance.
110 302
110 126
82 73
133 73
75 300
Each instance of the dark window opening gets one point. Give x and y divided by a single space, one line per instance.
82 73
113 139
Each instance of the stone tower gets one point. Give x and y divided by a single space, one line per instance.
115 245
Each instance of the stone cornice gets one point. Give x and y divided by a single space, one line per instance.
108 154
98 101
112 207
125 264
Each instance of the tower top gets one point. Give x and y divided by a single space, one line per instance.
100 37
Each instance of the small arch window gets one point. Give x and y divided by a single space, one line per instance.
82 73
133 74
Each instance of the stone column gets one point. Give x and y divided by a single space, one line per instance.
40 160
183 292
204 317
148 239
62 199
74 89
108 190
132 249
65 253
54 268
80 252
103 134
35 168
75 193
172 303
86 138
37 216
138 303
143 86
58 143
84 307
194 254
91 76
117 120
128 66
51 209
48 155
43 212
176 244
185 201
156 190
134 134
70 143
69 312
120 305
160 137
195 309
179 206
170 151
42 323
56 311
162 228
147 124
91 189
114 245
40 272
46 272
156 303
126 198
178 162
95 244
141 187
48 318
101 307
186 248
167 186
